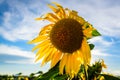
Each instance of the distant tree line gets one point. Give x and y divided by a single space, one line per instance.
19 76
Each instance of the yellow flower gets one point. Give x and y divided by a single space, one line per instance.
64 40
26 78
103 64
102 78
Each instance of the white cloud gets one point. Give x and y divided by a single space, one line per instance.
19 22
20 33
107 21
101 41
23 61
99 52
113 72
1 1
12 50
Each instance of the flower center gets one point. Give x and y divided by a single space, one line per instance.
66 35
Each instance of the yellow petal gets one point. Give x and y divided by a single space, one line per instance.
72 62
74 14
80 56
47 52
71 71
41 52
44 54
39 57
53 8
102 78
61 12
50 19
81 20
45 29
38 39
86 51
87 33
56 58
77 63
72 65
62 63
38 18
42 35
51 55
41 44
53 16
103 64
68 64
87 30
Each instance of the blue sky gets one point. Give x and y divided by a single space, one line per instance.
17 27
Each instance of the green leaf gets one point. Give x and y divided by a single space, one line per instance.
91 46
61 77
50 74
95 33
109 77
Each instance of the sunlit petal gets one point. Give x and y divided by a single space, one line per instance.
41 44
62 63
56 58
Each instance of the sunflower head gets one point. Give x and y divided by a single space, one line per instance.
64 40
66 35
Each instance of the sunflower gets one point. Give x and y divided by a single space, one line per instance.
64 40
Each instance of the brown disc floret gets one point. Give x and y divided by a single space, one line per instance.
66 35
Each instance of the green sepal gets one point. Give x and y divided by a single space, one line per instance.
91 46
95 33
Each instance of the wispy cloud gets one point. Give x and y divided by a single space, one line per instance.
16 51
99 52
23 61
19 23
107 21
101 41
1 1
115 72
102 49
112 72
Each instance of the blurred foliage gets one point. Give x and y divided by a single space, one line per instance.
94 72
